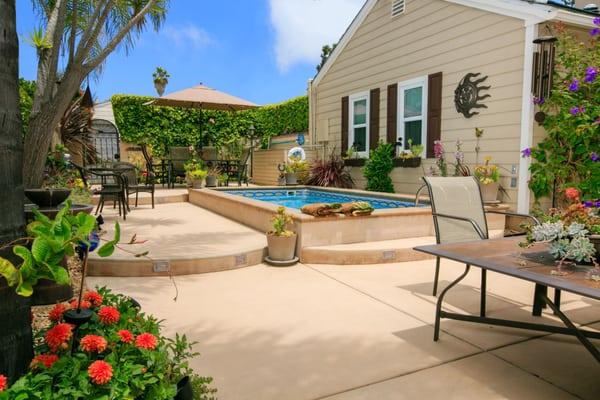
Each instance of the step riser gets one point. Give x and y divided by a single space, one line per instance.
362 257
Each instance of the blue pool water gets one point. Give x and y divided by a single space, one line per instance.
296 198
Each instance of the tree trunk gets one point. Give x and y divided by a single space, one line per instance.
16 343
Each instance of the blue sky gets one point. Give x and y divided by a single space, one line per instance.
261 50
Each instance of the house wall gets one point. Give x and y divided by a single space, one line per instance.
266 162
433 36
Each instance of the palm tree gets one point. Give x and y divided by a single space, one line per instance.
16 341
161 79
79 35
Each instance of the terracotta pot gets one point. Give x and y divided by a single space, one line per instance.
197 184
211 181
281 248
291 178
489 192
47 197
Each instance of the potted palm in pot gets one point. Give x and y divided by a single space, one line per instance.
281 241
487 176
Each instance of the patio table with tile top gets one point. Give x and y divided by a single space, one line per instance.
534 264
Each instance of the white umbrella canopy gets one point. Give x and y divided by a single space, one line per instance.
203 97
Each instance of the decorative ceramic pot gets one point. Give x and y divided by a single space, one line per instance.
489 192
291 178
281 248
197 183
211 181
47 197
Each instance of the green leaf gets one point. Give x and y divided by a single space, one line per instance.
25 289
59 274
40 249
9 272
117 237
106 249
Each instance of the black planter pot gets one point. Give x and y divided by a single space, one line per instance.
47 292
184 389
47 197
355 162
413 162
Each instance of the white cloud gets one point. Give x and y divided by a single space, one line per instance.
302 27
187 35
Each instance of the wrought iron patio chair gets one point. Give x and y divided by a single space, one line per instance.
459 215
112 187
238 169
130 174
158 171
178 156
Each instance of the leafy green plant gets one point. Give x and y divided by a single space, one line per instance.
198 174
119 354
414 150
569 155
280 222
378 168
51 241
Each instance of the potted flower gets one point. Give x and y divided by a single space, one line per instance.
197 177
352 159
572 233
193 164
487 176
281 242
212 175
410 158
293 169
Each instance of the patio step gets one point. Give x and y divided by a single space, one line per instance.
161 196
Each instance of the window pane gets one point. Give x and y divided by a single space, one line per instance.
412 130
360 112
360 139
413 102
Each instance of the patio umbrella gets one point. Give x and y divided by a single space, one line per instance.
205 98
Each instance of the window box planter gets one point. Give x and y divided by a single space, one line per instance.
355 162
413 162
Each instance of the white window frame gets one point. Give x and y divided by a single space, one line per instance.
351 126
421 81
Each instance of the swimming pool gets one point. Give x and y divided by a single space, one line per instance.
296 198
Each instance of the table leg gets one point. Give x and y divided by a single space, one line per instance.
538 304
482 305
438 310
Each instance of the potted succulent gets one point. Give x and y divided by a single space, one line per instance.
212 176
352 159
197 177
487 176
281 242
293 170
410 158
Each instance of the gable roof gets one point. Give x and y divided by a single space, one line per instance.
530 11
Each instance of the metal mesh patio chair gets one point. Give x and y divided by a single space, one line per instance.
459 216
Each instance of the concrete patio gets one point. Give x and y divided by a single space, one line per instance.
365 332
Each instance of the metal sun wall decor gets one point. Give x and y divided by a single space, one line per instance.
467 96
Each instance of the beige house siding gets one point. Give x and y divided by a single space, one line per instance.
433 36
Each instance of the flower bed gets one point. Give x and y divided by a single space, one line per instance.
119 354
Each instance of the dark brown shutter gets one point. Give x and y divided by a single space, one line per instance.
344 124
434 111
392 113
374 119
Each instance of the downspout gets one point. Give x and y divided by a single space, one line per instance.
527 111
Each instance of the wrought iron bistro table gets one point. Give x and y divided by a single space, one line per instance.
504 256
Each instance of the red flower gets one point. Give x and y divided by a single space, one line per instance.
47 360
125 335
93 297
3 382
572 194
57 312
58 336
146 341
93 343
109 315
100 372
84 304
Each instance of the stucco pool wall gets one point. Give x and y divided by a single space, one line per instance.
382 224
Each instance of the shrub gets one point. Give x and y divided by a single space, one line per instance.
119 355
280 222
378 168
330 172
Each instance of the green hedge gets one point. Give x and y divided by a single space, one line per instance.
162 127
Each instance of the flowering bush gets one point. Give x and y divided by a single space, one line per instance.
126 358
570 152
441 165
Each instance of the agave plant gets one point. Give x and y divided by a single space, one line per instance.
330 172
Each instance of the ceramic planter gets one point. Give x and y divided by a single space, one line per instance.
281 248
413 162
184 389
355 162
211 181
489 192
197 183
47 197
291 178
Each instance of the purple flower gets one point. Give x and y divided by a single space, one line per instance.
588 204
574 86
438 150
538 100
594 32
526 152
597 21
590 74
594 157
597 203
577 110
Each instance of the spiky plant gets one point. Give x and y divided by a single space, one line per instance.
330 172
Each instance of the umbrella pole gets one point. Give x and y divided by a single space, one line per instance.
201 135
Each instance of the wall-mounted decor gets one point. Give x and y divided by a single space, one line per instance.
467 96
